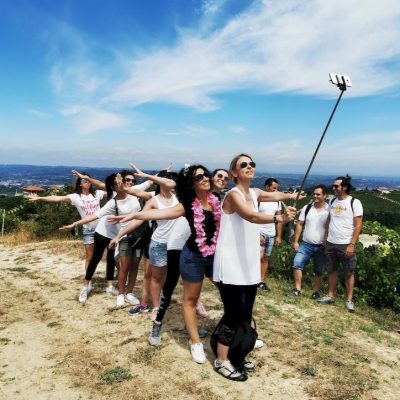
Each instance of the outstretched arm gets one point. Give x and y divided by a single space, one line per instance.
167 183
93 181
47 199
138 193
234 203
82 221
262 195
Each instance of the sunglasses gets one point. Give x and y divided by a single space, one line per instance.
200 177
225 178
244 164
127 180
335 186
83 180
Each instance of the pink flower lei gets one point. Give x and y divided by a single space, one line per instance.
198 222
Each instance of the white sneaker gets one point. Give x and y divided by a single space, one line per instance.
120 301
112 290
89 287
83 295
197 351
258 344
132 299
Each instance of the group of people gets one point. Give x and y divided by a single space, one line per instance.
201 230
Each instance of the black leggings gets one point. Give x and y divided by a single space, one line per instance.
171 281
100 244
238 303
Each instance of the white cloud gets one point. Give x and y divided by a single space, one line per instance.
91 120
38 113
273 47
238 129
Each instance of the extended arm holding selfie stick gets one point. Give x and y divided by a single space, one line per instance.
342 82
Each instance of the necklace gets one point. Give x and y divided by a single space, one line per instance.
198 222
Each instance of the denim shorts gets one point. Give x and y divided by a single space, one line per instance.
334 254
158 254
88 236
194 266
269 244
124 249
306 252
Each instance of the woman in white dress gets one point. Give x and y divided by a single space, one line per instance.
236 263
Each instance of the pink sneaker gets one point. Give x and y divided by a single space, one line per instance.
153 314
201 310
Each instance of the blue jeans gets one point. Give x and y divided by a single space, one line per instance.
158 254
306 252
269 243
194 266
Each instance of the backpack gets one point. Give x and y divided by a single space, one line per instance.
141 236
351 203
242 342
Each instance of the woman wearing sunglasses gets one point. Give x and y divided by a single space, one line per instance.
87 201
202 210
119 203
236 261
179 235
219 178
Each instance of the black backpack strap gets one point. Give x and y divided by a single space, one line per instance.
308 208
116 207
351 203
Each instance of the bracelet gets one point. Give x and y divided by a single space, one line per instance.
352 244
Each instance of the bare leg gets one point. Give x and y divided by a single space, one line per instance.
124 262
349 286
88 254
222 352
317 282
132 273
297 276
332 282
158 275
191 293
146 282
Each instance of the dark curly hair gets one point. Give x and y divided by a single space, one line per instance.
185 184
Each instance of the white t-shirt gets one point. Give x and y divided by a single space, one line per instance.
164 226
126 206
87 205
341 225
314 229
269 208
179 234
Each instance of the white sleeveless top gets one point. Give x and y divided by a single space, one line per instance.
164 227
237 256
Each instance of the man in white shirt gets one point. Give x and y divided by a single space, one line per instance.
270 234
313 220
344 225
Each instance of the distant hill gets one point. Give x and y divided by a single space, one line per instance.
17 176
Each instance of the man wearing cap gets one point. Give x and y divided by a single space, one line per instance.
344 225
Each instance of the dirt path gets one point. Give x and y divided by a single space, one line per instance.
51 347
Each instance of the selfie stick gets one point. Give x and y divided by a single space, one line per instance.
342 82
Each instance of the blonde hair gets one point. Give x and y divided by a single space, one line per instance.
234 161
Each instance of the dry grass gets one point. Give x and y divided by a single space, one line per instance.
95 351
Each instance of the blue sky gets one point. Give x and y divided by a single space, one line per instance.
103 83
